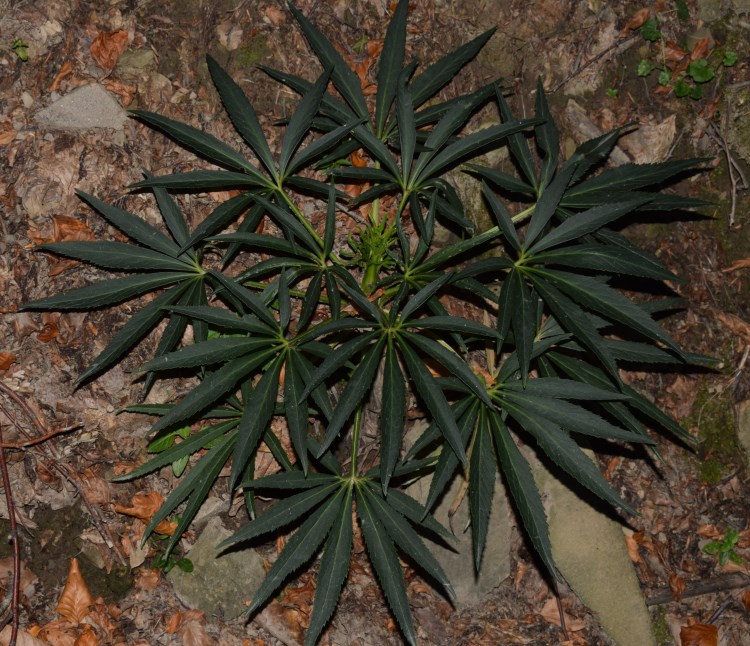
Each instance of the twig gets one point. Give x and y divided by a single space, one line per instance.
734 168
718 612
564 627
624 43
16 576
55 462
698 588
39 440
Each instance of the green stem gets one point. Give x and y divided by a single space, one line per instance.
298 214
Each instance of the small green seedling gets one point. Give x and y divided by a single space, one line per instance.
613 92
21 49
724 549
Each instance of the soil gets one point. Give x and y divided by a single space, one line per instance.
585 51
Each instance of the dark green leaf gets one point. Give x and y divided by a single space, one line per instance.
442 71
384 561
481 487
433 397
282 514
587 222
357 387
296 414
116 255
405 537
211 390
345 80
173 217
392 415
246 297
258 411
204 180
219 218
334 566
300 548
242 114
547 205
564 452
196 140
391 61
547 136
107 292
299 124
132 226
524 492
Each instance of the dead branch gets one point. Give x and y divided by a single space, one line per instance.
698 588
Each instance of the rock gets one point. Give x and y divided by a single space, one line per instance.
218 585
743 427
738 136
589 549
459 565
90 106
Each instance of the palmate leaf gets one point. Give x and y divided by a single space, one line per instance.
134 227
629 177
426 84
390 64
209 391
428 389
358 385
334 567
242 114
404 536
345 80
604 300
565 453
201 142
116 255
547 136
481 486
384 559
108 292
258 411
523 491
392 415
301 547
195 485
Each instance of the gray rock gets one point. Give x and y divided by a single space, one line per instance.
459 565
589 549
218 585
90 106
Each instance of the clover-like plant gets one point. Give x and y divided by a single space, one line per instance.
303 341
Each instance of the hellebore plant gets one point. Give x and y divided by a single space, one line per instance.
306 339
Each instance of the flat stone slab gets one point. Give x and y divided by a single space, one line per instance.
590 552
86 107
218 585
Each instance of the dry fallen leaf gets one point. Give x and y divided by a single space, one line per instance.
746 600
22 638
699 635
87 638
551 613
641 16
275 15
107 48
174 623
192 629
59 633
144 506
632 546
735 325
6 136
701 49
677 585
75 599
65 69
738 264
7 359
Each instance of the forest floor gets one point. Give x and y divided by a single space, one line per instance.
594 60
